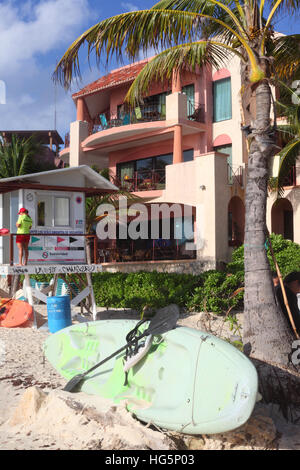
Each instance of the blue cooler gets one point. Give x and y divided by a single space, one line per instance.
59 313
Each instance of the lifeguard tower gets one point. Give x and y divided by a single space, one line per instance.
56 203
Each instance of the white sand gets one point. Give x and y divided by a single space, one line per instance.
36 414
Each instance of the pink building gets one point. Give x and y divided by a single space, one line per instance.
182 145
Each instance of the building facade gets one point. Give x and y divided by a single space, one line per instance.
182 145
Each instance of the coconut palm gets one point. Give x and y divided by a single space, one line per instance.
193 33
18 157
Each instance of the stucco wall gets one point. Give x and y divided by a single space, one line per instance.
232 127
293 196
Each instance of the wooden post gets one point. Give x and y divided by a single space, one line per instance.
92 297
95 249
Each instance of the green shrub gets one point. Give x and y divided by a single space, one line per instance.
109 289
212 291
287 254
216 293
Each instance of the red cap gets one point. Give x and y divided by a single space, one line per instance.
22 210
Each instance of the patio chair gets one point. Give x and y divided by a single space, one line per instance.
126 120
103 120
138 113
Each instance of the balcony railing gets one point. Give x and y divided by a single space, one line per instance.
67 140
195 111
235 175
290 178
145 113
143 180
154 250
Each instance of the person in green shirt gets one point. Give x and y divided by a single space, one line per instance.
24 224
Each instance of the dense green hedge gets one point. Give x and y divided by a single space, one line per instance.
136 290
209 291
286 253
212 291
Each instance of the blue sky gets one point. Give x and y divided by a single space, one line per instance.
34 34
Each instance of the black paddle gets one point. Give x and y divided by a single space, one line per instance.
2 309
164 320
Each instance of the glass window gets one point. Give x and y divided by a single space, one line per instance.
162 161
189 90
188 155
62 212
125 172
144 169
222 99
44 211
227 149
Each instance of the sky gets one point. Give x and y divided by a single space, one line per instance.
34 34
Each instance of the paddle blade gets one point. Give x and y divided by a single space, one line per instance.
164 320
73 383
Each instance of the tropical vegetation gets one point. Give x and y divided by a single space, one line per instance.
192 33
18 157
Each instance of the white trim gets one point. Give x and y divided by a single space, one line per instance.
97 180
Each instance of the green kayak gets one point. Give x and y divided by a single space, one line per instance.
189 381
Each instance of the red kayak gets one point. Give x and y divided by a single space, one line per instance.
17 313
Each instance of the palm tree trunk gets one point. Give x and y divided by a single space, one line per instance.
266 333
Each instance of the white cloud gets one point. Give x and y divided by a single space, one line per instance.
24 36
129 6
33 36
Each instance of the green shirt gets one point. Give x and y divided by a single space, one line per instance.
25 223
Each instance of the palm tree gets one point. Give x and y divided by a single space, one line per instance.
18 157
193 33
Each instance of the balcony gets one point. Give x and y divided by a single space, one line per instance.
143 180
146 113
235 175
195 112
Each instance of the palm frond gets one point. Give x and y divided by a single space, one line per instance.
18 156
127 35
130 34
184 56
286 53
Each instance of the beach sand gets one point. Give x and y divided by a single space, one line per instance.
36 414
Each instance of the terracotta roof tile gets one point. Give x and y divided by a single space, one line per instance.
114 78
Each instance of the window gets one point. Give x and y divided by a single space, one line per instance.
222 100
53 211
227 149
61 212
44 211
188 155
189 91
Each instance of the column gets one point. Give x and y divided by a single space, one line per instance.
80 109
176 82
177 145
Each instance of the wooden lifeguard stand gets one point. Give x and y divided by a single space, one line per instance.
56 203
